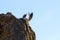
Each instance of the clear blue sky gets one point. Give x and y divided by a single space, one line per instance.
46 19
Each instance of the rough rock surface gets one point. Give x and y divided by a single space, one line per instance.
12 28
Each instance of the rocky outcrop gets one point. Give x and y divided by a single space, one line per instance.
12 28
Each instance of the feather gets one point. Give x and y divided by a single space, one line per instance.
30 16
24 15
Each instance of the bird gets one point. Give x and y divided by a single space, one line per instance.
30 16
24 16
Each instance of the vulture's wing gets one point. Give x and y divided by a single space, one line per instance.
24 15
30 16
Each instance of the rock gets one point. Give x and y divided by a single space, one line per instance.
12 28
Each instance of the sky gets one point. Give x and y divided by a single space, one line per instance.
46 15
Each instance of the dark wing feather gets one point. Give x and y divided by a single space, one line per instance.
24 15
30 16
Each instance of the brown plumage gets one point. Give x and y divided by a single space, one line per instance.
8 14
